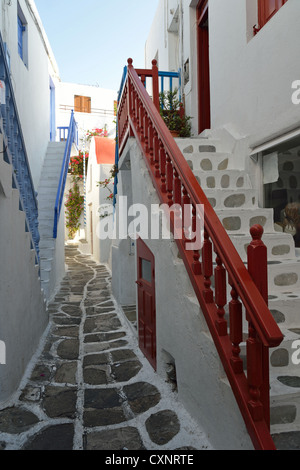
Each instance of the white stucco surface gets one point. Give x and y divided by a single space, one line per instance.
181 330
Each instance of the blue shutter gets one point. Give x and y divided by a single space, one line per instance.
21 29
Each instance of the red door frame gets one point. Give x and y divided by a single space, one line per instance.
266 11
146 304
204 116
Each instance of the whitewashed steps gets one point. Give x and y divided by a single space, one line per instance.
46 197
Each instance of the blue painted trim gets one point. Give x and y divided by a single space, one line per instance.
72 139
15 152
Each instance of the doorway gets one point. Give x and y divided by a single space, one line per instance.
146 302
204 118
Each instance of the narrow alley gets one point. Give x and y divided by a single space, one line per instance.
89 387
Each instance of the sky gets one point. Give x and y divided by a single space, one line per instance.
92 39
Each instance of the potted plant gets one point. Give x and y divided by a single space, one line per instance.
172 112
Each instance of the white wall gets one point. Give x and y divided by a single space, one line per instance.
251 76
102 107
96 197
30 81
181 330
251 79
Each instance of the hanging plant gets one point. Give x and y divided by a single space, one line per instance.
105 184
74 208
76 165
96 132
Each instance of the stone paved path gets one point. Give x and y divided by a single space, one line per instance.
89 387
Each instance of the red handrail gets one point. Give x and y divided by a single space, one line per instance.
176 184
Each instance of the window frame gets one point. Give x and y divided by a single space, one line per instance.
262 14
85 105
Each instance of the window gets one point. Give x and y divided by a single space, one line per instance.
283 194
267 9
22 36
82 104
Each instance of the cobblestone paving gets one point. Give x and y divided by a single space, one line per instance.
89 387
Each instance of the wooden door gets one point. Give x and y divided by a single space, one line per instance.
203 67
146 302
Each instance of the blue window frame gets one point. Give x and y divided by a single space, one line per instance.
21 30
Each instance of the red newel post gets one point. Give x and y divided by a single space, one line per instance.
155 84
258 261
259 372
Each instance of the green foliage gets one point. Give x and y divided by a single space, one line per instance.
74 208
172 112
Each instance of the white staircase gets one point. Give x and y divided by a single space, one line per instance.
234 199
46 198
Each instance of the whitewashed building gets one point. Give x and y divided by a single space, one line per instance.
31 258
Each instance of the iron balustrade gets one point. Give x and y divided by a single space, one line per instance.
15 151
217 261
72 138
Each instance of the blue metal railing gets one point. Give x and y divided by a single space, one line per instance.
117 141
71 139
15 151
171 76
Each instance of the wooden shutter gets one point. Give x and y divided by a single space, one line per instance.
267 9
82 104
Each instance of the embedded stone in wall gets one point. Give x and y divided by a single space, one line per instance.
212 201
207 148
280 358
293 182
288 166
189 149
211 182
287 279
290 381
236 200
283 414
240 182
225 181
206 165
223 165
190 164
278 316
281 250
198 179
232 223
260 220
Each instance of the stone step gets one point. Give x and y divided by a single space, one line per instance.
285 403
232 199
241 220
202 144
279 245
223 179
284 277
208 161
285 309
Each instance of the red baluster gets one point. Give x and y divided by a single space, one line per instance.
186 214
236 331
207 268
162 162
150 141
220 296
254 373
197 268
169 169
155 84
156 154
258 270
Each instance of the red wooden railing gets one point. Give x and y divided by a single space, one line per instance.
175 183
